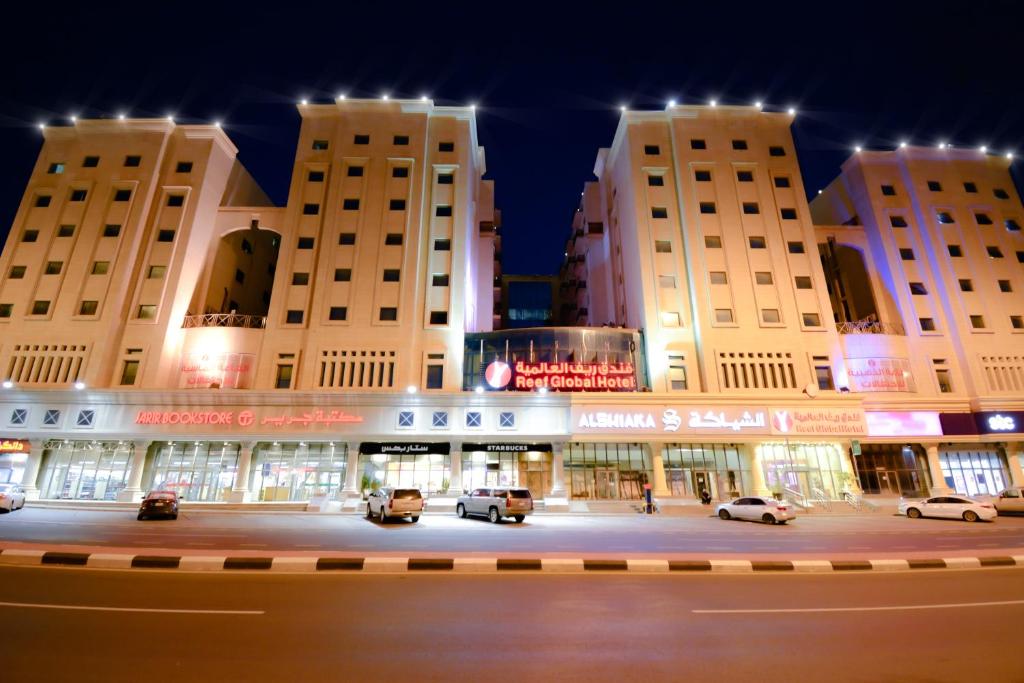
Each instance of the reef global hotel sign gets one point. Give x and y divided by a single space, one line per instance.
562 376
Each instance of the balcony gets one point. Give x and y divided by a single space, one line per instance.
252 322
870 327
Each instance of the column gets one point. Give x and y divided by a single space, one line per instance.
32 464
455 478
757 485
351 489
935 469
660 485
133 490
846 460
1014 461
557 472
240 491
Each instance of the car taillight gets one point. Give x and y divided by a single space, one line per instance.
508 501
391 503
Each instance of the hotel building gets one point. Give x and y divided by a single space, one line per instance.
165 326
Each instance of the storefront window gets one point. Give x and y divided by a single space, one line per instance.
717 468
974 472
196 471
607 470
88 470
299 471
531 469
429 472
804 469
893 469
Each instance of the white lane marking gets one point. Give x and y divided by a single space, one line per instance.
883 608
90 608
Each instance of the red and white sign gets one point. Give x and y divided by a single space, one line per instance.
917 423
879 374
223 370
695 420
569 376
498 375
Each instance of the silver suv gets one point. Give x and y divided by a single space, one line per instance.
388 502
495 503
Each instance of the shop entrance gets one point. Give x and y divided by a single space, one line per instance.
507 464
889 482
702 482
606 482
606 471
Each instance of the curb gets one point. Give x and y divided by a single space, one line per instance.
368 565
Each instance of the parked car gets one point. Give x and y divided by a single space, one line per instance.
389 502
948 507
757 509
1008 501
495 503
159 504
11 497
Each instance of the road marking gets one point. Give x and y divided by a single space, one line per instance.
89 608
884 608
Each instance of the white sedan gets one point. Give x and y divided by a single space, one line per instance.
11 497
948 507
757 509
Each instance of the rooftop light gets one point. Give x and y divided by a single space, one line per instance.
713 103
903 143
341 96
671 103
304 102
79 385
423 98
72 118
216 124
792 111
983 149
479 389
42 126
758 104
384 96
7 384
411 389
120 116
857 148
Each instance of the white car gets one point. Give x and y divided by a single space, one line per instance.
757 509
11 497
495 503
1008 501
948 507
388 503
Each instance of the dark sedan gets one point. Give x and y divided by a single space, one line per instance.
159 504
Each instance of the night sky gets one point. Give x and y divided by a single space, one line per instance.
548 79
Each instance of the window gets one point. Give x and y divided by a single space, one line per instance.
122 195
339 313
310 209
51 417
53 267
445 178
156 272
907 254
87 308
19 416
935 186
707 207
400 172
350 204
78 195
970 187
677 373
718 277
342 274
944 217
652 150
781 181
1017 322
788 214
446 147
712 242
918 289
320 145
315 176
1000 193
698 144
90 162
293 317
165 236
246 247
443 245
811 320
770 315
132 161
663 246
55 168
669 319
397 205
942 376
100 267
656 180
823 373
659 212
795 247
927 324
757 242
443 210
283 380
439 280
888 190
30 236
439 317
183 167
776 151
739 144
400 140
42 200
745 176
305 243
435 380
994 252
1020 257
1005 286
388 313
146 312
1012 225
667 281
506 420
40 307
393 239
978 322
6 310
175 200
474 418
392 275
16 272
898 221
85 418
702 176
406 418
111 230
983 219
955 251
299 279
764 278
354 171
346 239
803 282
751 208
129 371
723 315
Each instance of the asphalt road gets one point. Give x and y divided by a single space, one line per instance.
95 625
568 535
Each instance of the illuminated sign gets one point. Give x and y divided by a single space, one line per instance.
498 375
570 376
221 370
14 446
1001 423
703 420
879 374
246 418
917 423
505 447
378 448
